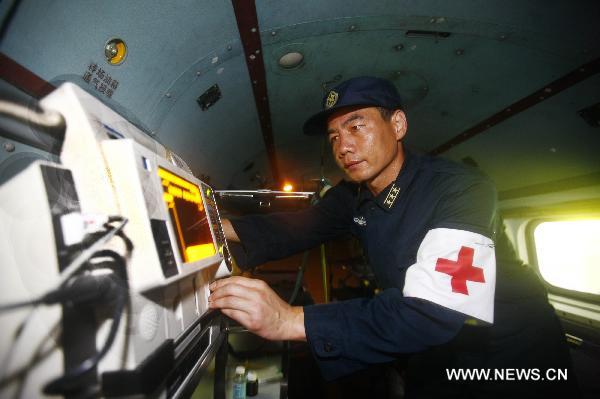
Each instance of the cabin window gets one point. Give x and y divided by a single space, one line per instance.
568 254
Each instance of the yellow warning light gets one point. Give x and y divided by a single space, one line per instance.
115 51
287 187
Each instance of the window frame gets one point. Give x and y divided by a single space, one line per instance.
533 258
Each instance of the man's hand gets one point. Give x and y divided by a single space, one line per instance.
229 232
254 305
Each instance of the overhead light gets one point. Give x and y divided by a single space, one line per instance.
287 187
291 60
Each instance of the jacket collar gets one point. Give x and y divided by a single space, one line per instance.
390 195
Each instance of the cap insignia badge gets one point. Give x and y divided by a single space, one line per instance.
332 98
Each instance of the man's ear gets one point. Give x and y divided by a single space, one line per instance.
399 124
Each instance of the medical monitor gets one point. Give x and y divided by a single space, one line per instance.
188 217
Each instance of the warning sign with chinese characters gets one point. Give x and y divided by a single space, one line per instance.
455 269
100 80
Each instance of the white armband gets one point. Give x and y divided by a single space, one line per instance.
455 269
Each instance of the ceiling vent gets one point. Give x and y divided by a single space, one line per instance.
209 97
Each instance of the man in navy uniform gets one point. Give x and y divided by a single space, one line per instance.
454 294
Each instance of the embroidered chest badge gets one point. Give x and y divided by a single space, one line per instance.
391 197
360 220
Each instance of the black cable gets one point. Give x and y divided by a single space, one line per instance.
118 289
299 277
49 298
79 289
18 305
126 240
314 200
121 268
90 249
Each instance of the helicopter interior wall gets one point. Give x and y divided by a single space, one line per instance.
494 55
544 160
579 312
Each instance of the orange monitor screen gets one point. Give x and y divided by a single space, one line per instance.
188 217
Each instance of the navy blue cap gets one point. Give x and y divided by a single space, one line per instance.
364 90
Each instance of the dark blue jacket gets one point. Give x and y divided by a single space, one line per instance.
428 193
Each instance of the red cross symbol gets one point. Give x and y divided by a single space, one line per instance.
461 270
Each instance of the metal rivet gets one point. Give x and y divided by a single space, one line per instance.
273 33
502 37
8 147
257 52
552 149
548 90
508 110
254 82
252 56
352 28
229 48
432 21
168 95
253 30
399 47
198 73
459 51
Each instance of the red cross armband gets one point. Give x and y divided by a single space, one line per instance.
455 269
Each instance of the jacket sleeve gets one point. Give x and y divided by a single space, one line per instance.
278 235
469 203
347 336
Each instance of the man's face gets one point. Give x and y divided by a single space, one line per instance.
364 144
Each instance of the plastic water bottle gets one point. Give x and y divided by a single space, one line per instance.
239 383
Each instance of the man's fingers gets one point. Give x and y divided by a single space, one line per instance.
234 290
241 317
233 302
243 281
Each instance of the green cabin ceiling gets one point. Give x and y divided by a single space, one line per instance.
497 53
